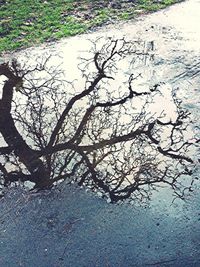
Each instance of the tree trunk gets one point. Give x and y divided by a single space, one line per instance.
27 156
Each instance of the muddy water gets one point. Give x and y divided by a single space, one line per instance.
173 36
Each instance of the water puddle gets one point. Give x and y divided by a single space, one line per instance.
172 39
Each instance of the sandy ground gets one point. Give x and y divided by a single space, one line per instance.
72 228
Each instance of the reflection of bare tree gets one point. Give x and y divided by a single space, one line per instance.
102 137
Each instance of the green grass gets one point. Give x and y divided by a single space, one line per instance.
150 5
25 23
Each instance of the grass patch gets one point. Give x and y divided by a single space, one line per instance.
25 23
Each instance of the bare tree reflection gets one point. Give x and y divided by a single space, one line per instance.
105 136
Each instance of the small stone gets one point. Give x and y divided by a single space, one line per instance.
115 5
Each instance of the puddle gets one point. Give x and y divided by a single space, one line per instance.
172 36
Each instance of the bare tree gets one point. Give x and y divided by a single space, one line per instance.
106 137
